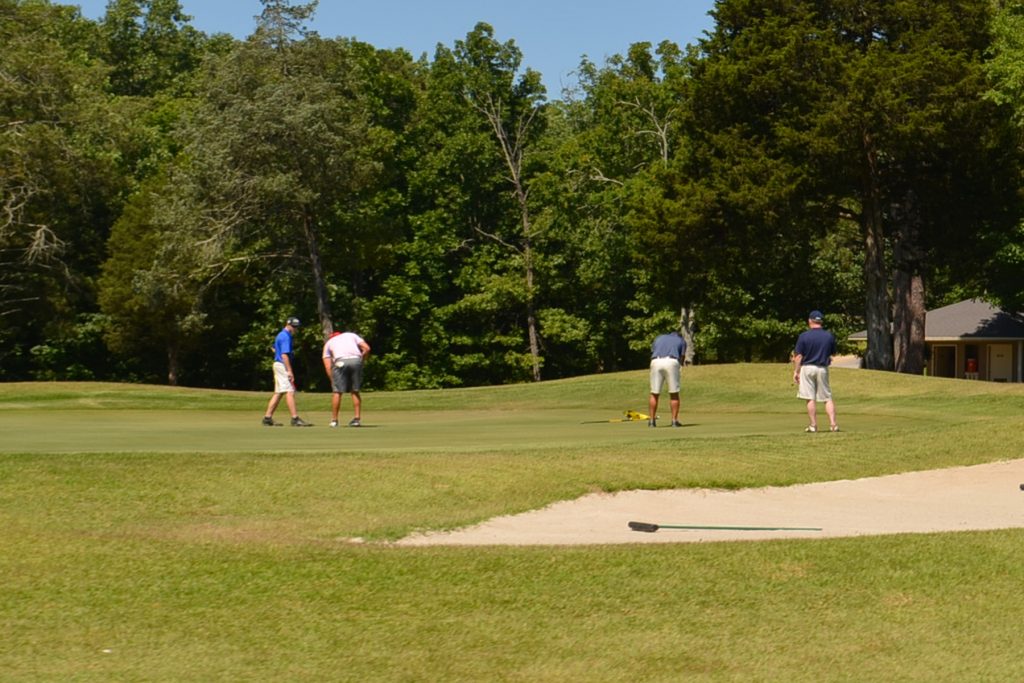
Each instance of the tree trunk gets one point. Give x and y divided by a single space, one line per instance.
879 353
908 288
531 318
173 363
323 304
908 322
531 323
877 309
686 330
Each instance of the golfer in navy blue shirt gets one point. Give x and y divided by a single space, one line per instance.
667 354
811 359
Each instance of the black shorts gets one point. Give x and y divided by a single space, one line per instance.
347 375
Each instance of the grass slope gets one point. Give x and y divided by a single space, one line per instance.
154 533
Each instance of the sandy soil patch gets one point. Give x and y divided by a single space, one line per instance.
955 499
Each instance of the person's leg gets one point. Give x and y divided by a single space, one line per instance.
290 400
825 396
282 386
652 402
272 405
335 405
830 409
812 413
357 384
673 377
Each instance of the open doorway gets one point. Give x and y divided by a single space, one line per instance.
944 360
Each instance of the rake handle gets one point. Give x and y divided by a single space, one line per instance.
649 528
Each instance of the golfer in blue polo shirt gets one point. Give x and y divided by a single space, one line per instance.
667 354
284 376
811 359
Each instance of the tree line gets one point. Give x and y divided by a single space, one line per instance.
168 197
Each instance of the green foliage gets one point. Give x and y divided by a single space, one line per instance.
57 185
808 115
606 208
149 46
282 23
1007 265
76 352
1004 69
191 191
1006 77
153 299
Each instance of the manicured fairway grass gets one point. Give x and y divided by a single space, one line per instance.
161 534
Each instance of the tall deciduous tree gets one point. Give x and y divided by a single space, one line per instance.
1006 73
628 123
512 106
472 300
280 145
56 183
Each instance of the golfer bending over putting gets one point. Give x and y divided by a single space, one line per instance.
344 354
667 353
814 350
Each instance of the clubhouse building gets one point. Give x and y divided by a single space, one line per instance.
972 340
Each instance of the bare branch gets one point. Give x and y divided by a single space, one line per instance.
498 239
597 174
44 244
661 126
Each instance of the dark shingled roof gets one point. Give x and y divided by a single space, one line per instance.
971 319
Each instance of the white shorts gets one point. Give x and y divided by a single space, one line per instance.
665 370
282 385
814 383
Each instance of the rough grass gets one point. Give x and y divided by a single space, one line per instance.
141 550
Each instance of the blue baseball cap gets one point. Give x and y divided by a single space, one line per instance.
816 316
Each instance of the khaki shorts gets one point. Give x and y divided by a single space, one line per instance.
814 383
665 370
282 385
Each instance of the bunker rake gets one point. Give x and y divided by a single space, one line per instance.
651 528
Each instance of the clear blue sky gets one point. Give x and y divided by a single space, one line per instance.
552 34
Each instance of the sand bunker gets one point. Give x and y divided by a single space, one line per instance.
955 499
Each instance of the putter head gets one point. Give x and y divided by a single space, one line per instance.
643 526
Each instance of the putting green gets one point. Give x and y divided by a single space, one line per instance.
175 431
